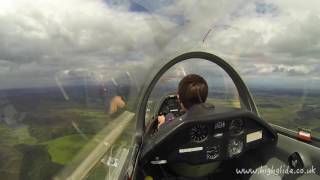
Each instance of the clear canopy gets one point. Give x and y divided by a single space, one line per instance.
71 73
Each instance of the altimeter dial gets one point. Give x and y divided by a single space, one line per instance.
199 133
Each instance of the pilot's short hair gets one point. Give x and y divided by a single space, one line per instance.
193 89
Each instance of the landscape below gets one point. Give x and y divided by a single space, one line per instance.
41 132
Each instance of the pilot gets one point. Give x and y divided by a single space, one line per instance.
192 90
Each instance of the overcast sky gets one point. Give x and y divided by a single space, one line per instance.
270 43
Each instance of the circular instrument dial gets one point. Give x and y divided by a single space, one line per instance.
199 133
236 127
213 152
235 147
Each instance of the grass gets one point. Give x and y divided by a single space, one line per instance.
12 136
62 150
86 113
286 114
224 102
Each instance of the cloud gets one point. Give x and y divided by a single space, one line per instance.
300 38
292 70
265 8
77 28
50 36
273 33
40 39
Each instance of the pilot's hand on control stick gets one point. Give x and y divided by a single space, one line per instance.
161 120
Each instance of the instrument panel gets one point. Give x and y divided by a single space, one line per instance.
220 139
204 135
170 105
213 140
224 139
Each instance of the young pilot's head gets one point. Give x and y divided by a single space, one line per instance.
193 89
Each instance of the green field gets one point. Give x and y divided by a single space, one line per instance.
13 136
63 149
47 141
283 111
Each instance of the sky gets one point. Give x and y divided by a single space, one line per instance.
270 43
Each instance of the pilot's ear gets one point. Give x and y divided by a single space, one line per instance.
178 98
